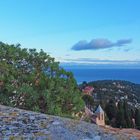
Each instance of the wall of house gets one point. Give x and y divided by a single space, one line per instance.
100 120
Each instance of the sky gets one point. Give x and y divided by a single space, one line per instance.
75 31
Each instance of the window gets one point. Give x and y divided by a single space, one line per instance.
102 116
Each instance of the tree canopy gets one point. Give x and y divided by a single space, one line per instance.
33 80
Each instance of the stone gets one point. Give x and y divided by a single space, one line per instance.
56 123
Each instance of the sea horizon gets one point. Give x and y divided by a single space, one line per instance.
89 74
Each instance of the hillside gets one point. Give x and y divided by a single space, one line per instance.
21 124
116 89
119 99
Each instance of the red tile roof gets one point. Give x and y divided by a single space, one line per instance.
88 89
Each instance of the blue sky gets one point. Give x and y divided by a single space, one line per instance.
104 31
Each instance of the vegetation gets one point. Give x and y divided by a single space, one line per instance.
137 118
34 81
122 117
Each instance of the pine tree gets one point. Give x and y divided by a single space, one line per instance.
127 115
33 80
137 118
111 110
120 118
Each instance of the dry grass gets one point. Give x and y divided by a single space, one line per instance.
127 131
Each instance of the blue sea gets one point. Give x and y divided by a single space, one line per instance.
92 74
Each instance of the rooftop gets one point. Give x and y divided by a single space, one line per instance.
99 109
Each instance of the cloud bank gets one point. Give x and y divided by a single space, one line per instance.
97 44
99 61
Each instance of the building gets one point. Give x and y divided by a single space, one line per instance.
97 117
88 90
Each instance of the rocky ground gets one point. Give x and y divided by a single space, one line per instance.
17 124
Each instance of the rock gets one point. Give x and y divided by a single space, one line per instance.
27 125
56 123
97 138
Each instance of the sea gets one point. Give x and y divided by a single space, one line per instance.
92 74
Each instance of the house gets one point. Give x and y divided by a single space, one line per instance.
88 90
97 117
